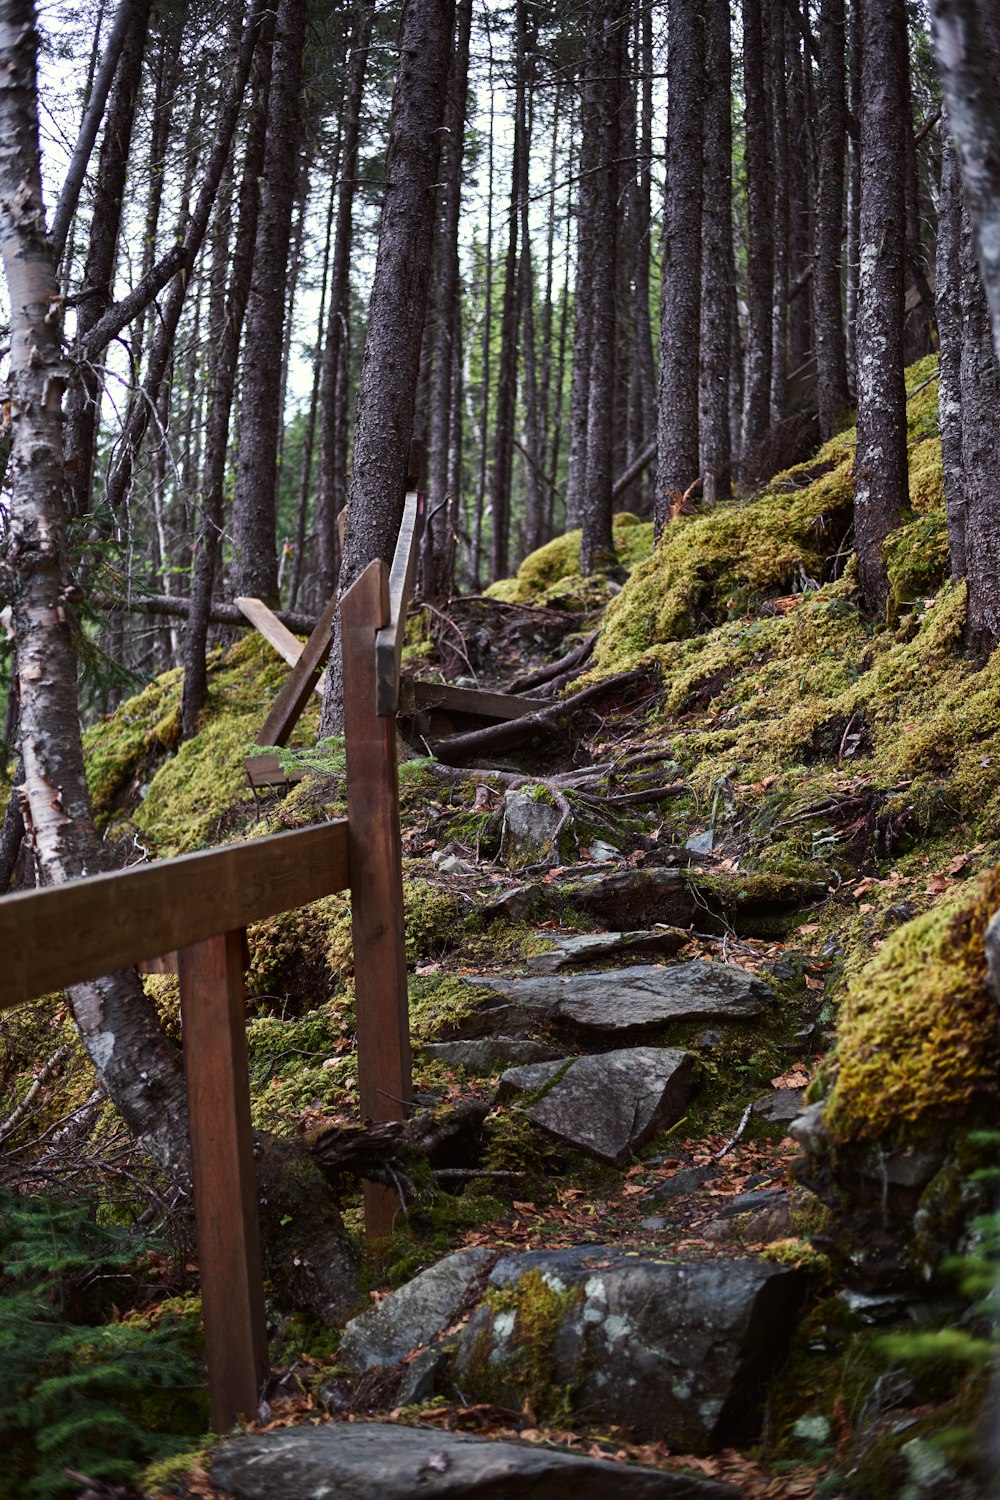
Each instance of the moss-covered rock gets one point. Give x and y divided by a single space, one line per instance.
552 573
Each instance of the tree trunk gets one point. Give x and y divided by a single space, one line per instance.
966 36
760 250
717 271
880 469
949 323
853 198
255 563
831 359
397 307
83 402
779 150
602 100
680 303
437 541
333 384
980 398
225 331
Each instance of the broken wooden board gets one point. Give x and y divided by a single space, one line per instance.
287 645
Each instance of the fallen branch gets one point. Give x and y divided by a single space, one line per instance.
627 799
459 747
219 613
733 1139
545 674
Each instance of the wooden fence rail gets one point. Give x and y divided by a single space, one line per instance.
199 906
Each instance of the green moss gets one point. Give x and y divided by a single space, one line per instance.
526 1374
441 1007
916 1043
553 572
126 747
917 557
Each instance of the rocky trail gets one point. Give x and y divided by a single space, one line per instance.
625 1097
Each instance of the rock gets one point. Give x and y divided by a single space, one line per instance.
679 1353
384 1461
773 1222
652 1223
600 851
809 1128
638 997
530 823
700 843
622 899
781 1106
609 1104
746 1203
414 1315
568 952
687 1180
488 1054
420 1380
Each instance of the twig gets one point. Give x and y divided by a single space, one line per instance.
472 1172
739 1131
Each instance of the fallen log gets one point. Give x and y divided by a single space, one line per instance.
177 608
544 675
459 747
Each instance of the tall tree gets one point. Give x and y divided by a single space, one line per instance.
831 359
718 271
604 65
680 303
255 561
880 468
397 307
760 248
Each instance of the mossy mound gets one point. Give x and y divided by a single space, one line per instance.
552 573
124 748
917 1039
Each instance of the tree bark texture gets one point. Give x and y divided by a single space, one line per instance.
831 358
966 35
718 273
949 323
760 266
604 57
255 563
980 398
880 470
680 303
779 156
333 385
138 1067
396 310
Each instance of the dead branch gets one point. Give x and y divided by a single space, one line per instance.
542 675
41 1078
459 747
630 799
218 614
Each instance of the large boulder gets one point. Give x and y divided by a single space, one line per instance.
584 947
382 1461
678 1353
640 997
416 1314
606 1105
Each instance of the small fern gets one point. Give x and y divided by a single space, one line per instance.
102 1398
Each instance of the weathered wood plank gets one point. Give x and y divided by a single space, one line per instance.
224 1178
376 877
389 641
302 679
287 645
267 770
64 934
482 705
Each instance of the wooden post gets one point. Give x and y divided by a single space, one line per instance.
376 877
224 1177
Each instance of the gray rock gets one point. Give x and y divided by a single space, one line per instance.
748 1203
568 952
420 1380
528 1079
679 1353
687 1180
652 1223
530 822
809 1129
488 1054
414 1315
607 1105
384 1461
621 899
781 1106
639 997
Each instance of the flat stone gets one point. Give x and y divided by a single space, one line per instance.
780 1107
639 997
569 952
678 1353
385 1461
488 1054
687 1180
609 1104
414 1315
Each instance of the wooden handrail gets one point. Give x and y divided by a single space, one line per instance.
119 919
389 640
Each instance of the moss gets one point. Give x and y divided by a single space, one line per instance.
191 798
125 747
304 1063
917 557
441 1007
297 957
553 572
526 1374
916 1043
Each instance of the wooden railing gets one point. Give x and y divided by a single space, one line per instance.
198 907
